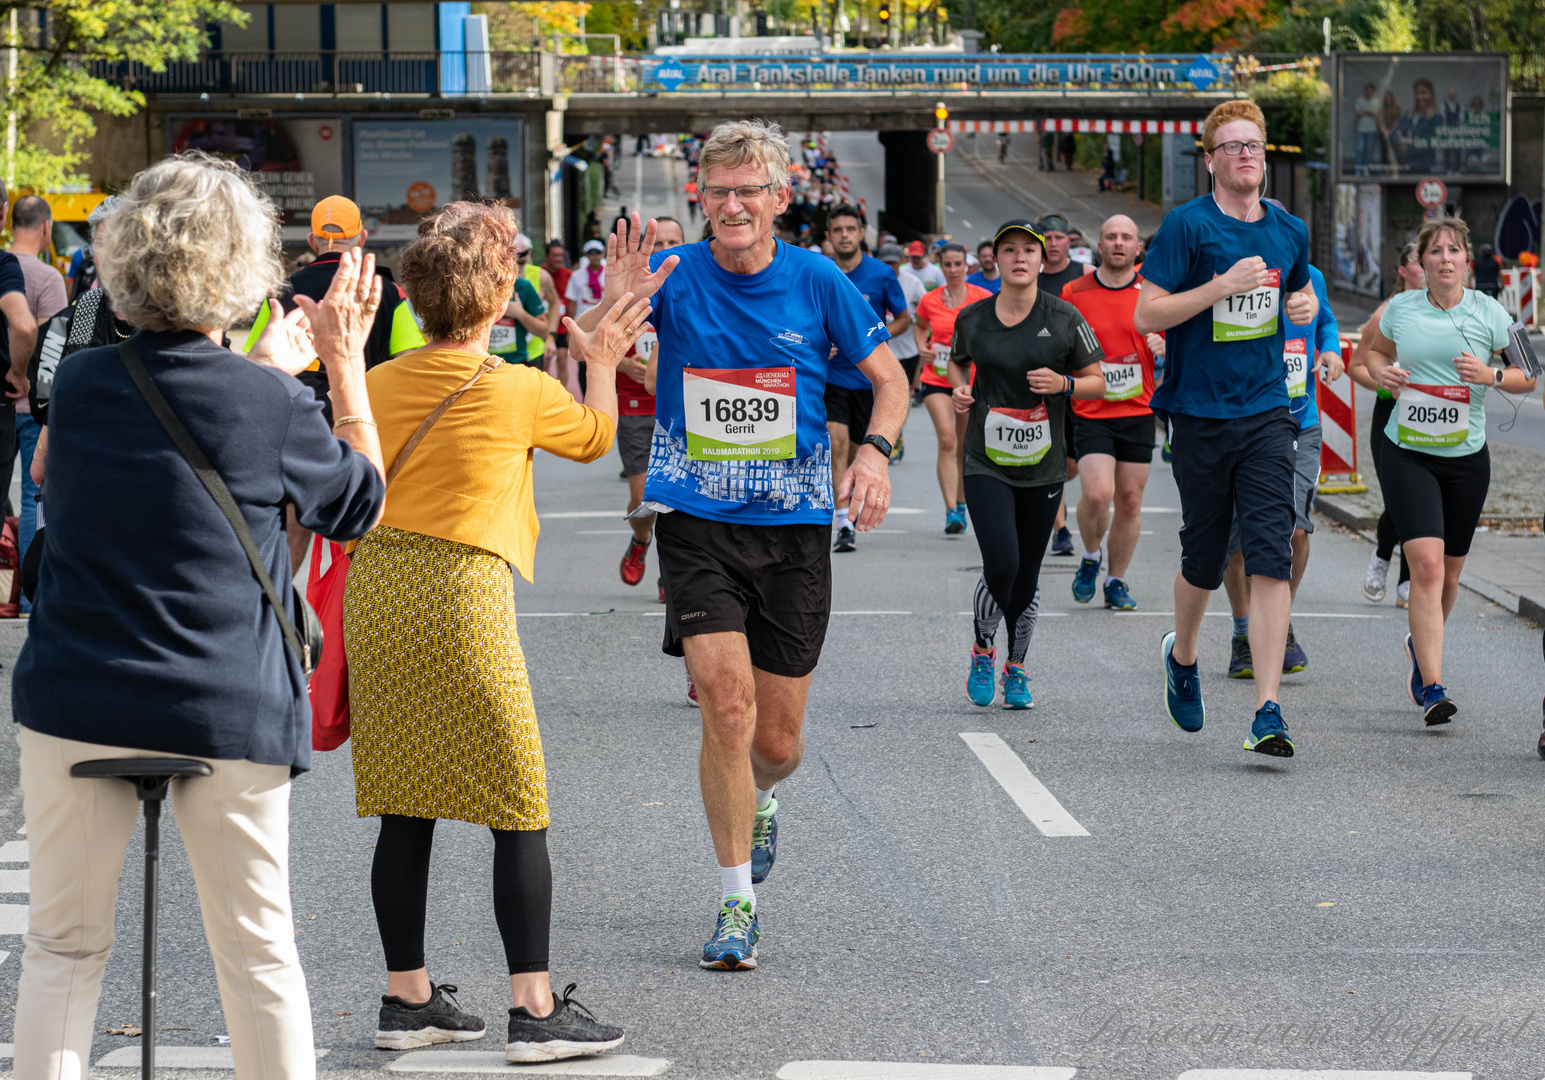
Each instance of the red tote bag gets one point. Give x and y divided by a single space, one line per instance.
330 680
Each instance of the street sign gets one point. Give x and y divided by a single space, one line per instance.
940 141
1431 193
670 74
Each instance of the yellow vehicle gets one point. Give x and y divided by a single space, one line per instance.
71 233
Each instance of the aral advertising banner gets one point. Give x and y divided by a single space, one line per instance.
405 168
296 160
1407 116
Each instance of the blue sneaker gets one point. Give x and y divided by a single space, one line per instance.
1294 658
1164 452
1269 733
1436 707
1083 581
1016 688
979 685
764 843
960 508
1182 689
1414 687
954 522
1241 665
1117 596
1062 542
733 945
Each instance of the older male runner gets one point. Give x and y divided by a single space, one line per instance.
1223 270
742 457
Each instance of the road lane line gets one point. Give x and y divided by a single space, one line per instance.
1318 1074
15 881
1028 793
176 1057
492 1061
917 1070
14 851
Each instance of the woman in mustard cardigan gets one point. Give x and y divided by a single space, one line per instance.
440 707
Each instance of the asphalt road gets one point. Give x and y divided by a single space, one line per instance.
1371 904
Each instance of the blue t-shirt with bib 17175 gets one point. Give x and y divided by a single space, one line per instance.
741 369
1226 362
881 288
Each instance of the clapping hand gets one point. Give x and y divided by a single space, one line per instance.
613 336
285 342
341 322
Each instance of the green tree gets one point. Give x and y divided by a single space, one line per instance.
55 89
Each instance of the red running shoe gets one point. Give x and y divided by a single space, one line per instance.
660 584
633 562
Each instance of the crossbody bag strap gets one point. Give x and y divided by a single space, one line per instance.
209 476
439 410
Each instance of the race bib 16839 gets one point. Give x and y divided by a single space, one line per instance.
739 414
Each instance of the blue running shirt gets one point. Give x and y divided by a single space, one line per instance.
770 334
1304 343
881 288
1226 362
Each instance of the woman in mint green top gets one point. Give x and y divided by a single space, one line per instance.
1432 350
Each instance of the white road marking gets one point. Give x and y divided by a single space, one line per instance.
1028 793
1317 1074
492 1061
871 613
917 1070
15 881
176 1057
14 851
13 919
7 1050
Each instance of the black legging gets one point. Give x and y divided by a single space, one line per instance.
1383 408
1387 538
523 893
1013 526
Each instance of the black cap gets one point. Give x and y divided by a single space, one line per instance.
1021 225
1052 223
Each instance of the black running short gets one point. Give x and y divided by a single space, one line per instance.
1125 438
930 388
561 339
851 407
772 583
909 365
1428 495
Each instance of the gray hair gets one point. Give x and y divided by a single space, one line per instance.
191 245
740 141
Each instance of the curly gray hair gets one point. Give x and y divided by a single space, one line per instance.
740 141
191 245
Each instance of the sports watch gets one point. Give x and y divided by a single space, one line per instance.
880 443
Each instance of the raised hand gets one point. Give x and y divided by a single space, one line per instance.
616 333
627 261
341 322
285 342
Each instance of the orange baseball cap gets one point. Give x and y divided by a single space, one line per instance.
336 218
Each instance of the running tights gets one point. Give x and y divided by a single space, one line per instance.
523 893
988 615
1013 526
1387 541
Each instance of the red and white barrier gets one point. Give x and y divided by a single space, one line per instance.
1520 290
989 127
1337 403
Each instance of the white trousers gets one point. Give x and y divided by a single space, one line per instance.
235 825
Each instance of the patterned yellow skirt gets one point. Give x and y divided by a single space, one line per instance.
440 710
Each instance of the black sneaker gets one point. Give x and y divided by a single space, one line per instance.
570 1031
438 1020
847 538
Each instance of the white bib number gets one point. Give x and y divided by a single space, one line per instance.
1123 378
644 347
941 361
1433 415
502 337
1017 436
1295 354
1250 314
739 414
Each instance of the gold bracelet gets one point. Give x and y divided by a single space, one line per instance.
338 423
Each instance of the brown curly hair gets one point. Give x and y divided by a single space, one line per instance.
460 272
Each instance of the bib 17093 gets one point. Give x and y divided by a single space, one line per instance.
1433 415
1247 315
1017 436
740 414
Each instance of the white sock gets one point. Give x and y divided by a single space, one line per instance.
736 881
763 798
841 520
1095 555
1112 579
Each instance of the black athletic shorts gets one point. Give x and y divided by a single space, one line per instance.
1125 438
1246 462
909 365
1069 432
930 388
1428 495
851 406
772 583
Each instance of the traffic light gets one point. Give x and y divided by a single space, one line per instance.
940 113
885 13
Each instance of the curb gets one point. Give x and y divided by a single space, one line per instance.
1345 513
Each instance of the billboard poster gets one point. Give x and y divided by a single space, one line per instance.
405 168
1409 116
1359 235
296 160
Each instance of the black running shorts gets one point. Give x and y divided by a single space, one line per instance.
1125 438
1429 495
772 583
850 406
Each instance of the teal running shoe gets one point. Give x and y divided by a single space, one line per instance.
1269 733
1241 664
764 843
954 522
733 945
979 685
1016 688
1083 581
1182 689
1117 597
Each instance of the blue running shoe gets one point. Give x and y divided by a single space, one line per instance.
1164 453
733 945
1294 659
960 508
1436 707
954 522
979 685
1117 597
1083 581
764 843
1269 733
1062 542
1414 688
1182 689
1016 688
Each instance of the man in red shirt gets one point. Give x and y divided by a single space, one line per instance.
1114 435
635 426
556 264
